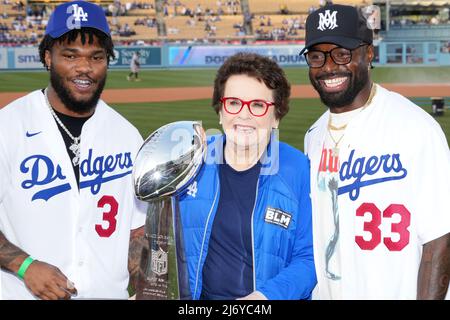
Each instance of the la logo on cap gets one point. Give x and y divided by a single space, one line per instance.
327 20
78 12
78 15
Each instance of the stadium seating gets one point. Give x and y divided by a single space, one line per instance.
291 6
142 32
286 17
179 28
205 4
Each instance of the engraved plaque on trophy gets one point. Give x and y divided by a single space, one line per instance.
166 164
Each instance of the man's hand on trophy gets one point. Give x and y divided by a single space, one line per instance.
255 295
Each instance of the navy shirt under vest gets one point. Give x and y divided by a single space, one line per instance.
228 269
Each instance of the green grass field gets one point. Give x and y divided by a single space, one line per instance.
149 116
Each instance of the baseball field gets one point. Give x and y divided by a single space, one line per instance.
163 96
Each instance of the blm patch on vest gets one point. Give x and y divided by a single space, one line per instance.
278 217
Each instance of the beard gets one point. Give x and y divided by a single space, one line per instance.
356 82
66 97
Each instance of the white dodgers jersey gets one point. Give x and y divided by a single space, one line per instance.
393 181
84 232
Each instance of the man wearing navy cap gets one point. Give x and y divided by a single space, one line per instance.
69 219
380 174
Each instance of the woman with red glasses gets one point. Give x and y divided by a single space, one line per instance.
247 216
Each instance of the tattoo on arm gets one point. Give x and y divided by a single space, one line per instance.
434 269
137 242
11 257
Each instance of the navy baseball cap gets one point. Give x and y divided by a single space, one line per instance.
76 15
344 26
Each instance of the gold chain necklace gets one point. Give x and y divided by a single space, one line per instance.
335 150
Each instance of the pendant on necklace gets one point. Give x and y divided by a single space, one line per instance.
335 152
75 148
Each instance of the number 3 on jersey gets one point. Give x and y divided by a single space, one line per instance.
373 226
108 216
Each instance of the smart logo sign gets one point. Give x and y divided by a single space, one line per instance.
27 58
204 56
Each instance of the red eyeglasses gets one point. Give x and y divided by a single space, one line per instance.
233 105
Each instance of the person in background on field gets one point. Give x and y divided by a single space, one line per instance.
135 66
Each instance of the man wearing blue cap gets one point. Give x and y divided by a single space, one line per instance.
68 214
380 174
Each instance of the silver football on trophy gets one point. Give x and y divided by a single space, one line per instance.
169 159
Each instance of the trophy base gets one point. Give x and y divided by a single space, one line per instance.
163 267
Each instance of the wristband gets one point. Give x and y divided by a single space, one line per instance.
24 266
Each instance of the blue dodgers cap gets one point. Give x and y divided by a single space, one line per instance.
76 15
